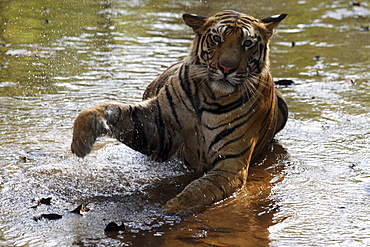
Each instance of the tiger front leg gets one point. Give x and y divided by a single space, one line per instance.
218 184
92 123
143 127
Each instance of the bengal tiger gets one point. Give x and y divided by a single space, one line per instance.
218 108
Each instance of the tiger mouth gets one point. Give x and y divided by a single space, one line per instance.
225 85
232 82
226 82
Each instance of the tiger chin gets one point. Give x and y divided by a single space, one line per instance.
218 109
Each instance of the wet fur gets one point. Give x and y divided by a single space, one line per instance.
217 121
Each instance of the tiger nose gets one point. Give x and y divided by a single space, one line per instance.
227 69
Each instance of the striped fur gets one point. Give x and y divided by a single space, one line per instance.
218 108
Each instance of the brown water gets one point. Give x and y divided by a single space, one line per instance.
58 57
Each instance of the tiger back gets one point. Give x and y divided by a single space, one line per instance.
218 107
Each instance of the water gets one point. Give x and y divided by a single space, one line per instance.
58 57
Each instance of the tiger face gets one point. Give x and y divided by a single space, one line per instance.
232 48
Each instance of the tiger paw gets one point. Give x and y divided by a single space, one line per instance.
174 207
182 205
87 127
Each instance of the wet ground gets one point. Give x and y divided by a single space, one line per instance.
58 57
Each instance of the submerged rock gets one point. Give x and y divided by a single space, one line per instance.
284 82
113 227
47 217
81 209
46 201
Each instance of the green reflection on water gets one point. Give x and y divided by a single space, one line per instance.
31 53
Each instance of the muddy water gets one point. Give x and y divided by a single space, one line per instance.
58 57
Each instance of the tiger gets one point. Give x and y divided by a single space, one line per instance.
218 109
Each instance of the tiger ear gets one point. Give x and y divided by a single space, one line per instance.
273 21
194 21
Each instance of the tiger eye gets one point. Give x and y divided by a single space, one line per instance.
248 43
216 38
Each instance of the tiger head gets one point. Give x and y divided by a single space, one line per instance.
232 48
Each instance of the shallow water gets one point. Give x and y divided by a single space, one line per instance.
58 57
